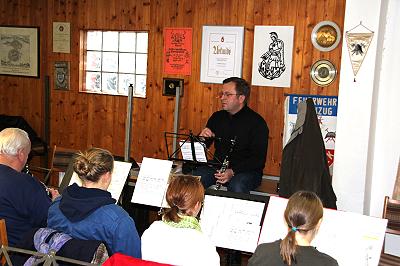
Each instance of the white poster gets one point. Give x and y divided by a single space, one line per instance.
272 56
221 53
350 238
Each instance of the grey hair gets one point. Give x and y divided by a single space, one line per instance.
13 140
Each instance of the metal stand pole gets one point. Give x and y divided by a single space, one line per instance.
128 124
176 117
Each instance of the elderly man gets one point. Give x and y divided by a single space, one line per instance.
240 137
23 199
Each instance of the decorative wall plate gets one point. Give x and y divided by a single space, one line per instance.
325 36
323 72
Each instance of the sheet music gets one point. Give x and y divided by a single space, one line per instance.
152 182
186 149
118 178
351 238
232 223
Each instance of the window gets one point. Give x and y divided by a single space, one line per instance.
114 60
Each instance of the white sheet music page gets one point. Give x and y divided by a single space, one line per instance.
232 223
186 149
152 182
118 178
351 238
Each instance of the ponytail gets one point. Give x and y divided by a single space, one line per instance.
302 214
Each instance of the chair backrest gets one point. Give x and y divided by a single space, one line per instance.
3 238
59 162
391 212
61 158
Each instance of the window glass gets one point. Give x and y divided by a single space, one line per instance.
110 41
114 60
142 42
140 89
109 83
110 62
124 81
141 63
127 62
93 61
94 40
93 81
127 42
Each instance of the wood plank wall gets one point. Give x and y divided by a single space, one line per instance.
80 120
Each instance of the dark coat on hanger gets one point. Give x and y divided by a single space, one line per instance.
304 163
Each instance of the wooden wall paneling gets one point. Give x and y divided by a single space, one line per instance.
23 96
80 120
298 48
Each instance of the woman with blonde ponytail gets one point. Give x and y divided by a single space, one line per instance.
89 212
178 239
303 216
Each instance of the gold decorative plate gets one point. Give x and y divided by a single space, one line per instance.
323 72
326 36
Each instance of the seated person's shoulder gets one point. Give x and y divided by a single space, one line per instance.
113 212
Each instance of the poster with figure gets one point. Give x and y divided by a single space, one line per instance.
272 56
326 109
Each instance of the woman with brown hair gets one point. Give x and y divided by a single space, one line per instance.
89 212
178 239
303 216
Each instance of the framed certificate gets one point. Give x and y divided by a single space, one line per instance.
221 53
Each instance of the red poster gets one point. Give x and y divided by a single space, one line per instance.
178 51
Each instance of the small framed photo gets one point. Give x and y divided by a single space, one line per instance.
19 51
61 75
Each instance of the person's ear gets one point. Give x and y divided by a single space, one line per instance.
21 154
318 224
242 98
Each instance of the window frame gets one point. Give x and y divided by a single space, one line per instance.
83 64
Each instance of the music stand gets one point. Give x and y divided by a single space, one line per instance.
192 139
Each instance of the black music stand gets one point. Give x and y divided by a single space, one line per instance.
190 138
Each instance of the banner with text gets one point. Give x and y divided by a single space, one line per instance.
326 109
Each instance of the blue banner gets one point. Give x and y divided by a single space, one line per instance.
324 105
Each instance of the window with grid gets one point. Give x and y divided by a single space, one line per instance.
114 60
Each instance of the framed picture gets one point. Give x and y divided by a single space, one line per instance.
272 56
19 51
61 75
221 53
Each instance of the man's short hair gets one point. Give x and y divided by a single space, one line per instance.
13 140
242 86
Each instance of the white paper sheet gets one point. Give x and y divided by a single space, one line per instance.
118 178
232 223
351 238
186 149
152 181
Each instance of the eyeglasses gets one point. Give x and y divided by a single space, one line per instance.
226 94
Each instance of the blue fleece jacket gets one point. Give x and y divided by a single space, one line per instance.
90 213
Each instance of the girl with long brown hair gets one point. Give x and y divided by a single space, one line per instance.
303 216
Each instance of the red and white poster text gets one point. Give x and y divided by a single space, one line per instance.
178 51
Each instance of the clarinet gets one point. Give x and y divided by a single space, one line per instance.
225 163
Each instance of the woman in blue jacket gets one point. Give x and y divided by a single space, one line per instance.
89 212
